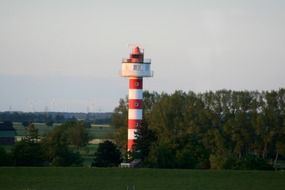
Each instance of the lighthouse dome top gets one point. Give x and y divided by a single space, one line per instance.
136 50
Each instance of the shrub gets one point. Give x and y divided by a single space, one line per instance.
107 155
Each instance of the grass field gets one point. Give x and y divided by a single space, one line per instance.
142 179
43 128
95 131
100 131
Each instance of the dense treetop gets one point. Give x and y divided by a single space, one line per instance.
222 129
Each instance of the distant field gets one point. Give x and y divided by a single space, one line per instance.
96 131
100 131
43 128
141 179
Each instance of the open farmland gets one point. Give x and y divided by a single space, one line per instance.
100 131
142 179
95 131
21 131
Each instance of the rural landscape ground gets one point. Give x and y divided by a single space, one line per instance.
33 178
86 177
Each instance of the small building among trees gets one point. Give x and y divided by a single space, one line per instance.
7 133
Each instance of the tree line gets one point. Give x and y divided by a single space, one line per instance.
60 147
57 148
54 117
221 130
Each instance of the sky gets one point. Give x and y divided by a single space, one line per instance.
65 55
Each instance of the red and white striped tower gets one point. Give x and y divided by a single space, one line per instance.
135 68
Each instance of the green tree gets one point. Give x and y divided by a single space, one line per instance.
77 133
57 144
227 129
145 138
120 114
120 122
5 157
29 151
28 154
107 155
32 134
162 156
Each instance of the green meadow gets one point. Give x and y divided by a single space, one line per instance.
139 179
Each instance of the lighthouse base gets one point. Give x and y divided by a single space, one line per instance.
136 163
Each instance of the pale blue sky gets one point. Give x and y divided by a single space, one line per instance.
65 55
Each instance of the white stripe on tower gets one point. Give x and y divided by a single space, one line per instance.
135 94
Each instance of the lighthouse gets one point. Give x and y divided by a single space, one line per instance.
135 68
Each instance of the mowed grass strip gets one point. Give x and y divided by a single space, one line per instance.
143 179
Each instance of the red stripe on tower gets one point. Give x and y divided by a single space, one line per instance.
134 123
136 83
130 144
135 103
